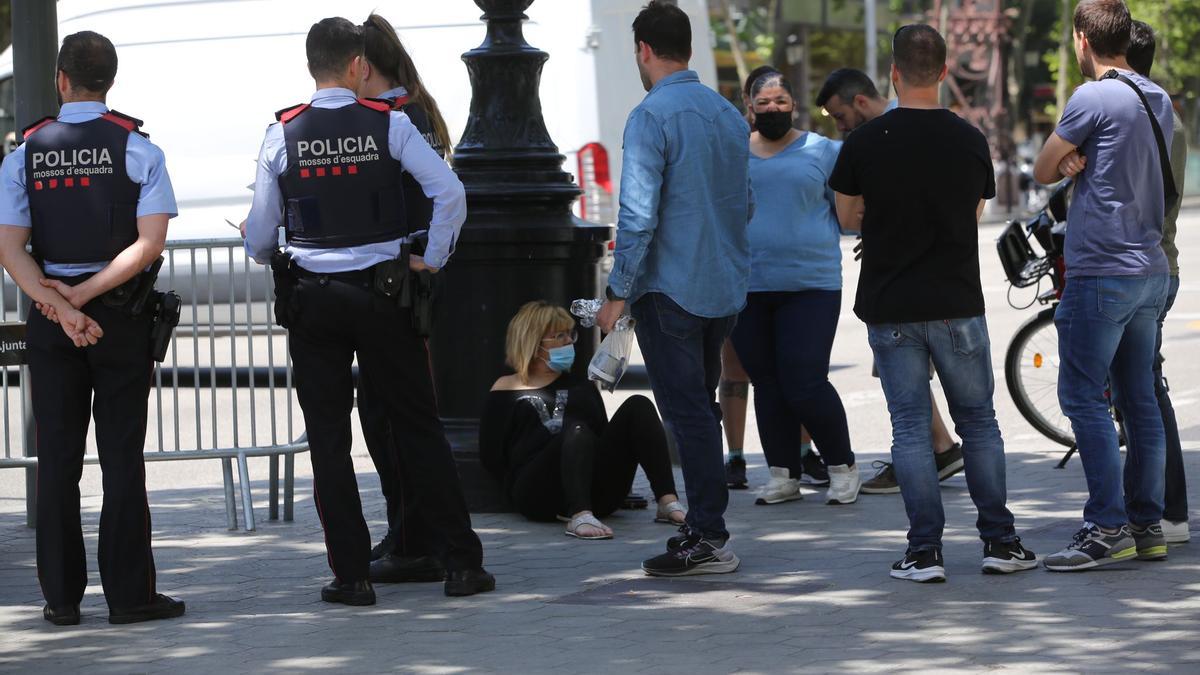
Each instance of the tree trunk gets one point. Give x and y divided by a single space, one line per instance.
1065 48
735 44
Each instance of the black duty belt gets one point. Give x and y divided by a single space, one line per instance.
357 277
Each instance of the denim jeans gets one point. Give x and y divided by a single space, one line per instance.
683 360
784 339
962 354
1108 327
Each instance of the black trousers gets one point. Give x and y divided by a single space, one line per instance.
110 382
330 322
590 472
409 532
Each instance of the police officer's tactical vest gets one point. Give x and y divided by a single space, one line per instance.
418 207
341 186
82 204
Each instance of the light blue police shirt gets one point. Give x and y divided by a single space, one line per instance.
405 144
144 162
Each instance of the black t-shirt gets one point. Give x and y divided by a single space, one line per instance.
921 174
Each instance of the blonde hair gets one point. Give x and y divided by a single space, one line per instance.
525 332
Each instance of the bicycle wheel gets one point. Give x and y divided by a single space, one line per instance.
1031 372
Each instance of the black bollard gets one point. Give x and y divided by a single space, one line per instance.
520 241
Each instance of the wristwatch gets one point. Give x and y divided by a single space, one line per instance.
612 297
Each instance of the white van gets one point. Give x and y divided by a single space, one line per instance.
208 75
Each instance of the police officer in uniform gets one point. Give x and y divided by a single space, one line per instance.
330 172
405 552
94 195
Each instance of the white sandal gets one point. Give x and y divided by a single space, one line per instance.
586 519
663 515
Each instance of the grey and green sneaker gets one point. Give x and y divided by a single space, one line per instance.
1093 546
1150 540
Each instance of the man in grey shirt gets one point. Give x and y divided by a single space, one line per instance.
1175 511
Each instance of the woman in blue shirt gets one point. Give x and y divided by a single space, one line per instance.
785 334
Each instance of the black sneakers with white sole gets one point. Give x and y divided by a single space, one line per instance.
1006 557
921 566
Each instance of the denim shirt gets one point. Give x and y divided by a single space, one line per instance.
685 200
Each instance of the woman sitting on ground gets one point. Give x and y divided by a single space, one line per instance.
546 436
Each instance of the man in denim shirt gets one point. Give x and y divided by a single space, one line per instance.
682 262
1116 290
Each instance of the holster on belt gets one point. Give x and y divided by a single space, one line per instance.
285 286
166 310
133 296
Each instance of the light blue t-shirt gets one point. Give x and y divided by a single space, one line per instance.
794 233
1114 226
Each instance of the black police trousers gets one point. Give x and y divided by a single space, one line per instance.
407 528
330 321
110 382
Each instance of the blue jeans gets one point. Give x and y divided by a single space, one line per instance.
1108 327
962 354
784 339
683 360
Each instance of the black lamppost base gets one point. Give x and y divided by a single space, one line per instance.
520 241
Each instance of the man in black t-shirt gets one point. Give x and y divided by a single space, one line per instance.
915 181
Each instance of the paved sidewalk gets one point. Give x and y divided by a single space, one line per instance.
813 593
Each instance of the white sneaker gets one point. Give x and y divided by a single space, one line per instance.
781 488
1175 533
844 483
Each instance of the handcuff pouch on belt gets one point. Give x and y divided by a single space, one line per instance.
133 296
395 280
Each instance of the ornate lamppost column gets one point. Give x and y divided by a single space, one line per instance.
520 241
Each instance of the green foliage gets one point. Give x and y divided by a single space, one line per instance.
1176 24
753 32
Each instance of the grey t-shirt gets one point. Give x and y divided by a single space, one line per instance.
1116 216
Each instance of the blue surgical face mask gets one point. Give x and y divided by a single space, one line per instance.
561 358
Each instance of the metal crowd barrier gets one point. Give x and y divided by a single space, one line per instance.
224 391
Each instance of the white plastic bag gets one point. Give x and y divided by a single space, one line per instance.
611 360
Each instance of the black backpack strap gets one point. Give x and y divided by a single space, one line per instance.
1170 195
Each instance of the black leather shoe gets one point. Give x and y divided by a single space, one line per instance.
355 593
162 607
469 582
396 569
63 616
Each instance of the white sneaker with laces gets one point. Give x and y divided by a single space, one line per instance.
779 489
1175 533
844 483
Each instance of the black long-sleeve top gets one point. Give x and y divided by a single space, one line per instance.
520 425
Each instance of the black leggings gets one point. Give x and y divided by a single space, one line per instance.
593 473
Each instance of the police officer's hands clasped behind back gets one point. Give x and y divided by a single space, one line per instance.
330 173
93 195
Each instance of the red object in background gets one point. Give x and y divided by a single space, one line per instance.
596 182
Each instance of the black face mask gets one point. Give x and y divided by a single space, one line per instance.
773 125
